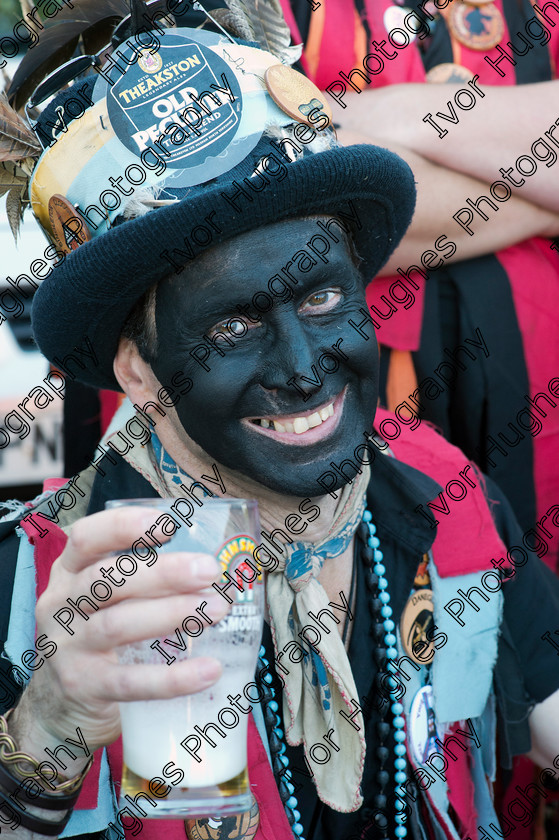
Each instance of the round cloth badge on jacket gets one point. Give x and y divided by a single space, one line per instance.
417 626
394 18
448 72
422 726
233 827
479 27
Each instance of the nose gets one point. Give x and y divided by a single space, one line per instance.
292 358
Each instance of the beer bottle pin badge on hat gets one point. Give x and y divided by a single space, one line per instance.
296 95
68 229
479 27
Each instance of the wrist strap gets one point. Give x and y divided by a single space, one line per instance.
20 786
19 814
32 793
17 767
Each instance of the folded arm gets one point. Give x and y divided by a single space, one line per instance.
441 193
504 124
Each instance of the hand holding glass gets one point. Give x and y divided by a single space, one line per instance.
203 779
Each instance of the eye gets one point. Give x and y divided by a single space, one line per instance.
233 327
322 301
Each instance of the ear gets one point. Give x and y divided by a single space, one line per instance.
134 376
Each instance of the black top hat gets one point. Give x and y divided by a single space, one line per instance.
254 182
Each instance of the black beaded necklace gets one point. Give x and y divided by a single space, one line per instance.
382 631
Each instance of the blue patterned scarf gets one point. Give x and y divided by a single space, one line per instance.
314 666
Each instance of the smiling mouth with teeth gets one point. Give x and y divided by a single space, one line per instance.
307 428
299 424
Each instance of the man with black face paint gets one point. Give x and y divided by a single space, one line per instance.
364 701
225 410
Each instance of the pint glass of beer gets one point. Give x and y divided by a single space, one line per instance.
189 754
